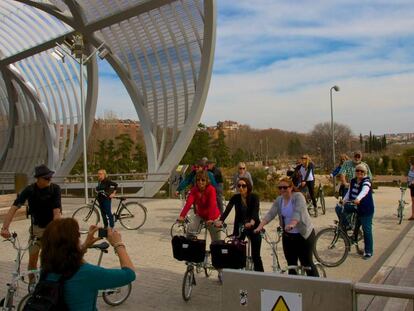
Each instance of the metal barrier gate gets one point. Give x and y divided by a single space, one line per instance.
247 290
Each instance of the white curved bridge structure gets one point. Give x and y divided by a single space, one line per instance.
162 51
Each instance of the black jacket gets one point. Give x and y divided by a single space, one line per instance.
243 213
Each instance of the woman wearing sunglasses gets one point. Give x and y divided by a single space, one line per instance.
360 193
203 196
242 172
298 236
246 218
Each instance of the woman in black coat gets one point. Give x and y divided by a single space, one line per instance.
246 217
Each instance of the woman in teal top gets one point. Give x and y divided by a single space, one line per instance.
62 254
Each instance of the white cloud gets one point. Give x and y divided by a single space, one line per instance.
276 61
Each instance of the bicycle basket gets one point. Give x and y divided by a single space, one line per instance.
192 250
231 254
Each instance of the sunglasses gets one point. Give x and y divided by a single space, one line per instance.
283 187
359 171
242 186
47 178
304 158
242 168
357 156
201 179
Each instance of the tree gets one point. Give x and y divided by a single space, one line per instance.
294 147
220 150
199 146
321 137
239 155
140 158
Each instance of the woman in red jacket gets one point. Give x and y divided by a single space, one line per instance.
203 196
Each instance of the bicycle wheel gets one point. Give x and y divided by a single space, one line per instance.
322 201
132 215
321 270
400 213
331 247
86 216
116 296
22 302
188 283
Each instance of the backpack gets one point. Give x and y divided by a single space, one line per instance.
47 296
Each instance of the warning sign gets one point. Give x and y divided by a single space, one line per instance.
272 300
280 305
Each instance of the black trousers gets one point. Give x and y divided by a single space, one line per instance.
311 186
256 243
296 247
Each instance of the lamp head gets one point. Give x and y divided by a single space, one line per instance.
336 88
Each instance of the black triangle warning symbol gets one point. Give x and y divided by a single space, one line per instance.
280 305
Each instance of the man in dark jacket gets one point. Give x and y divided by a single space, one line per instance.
218 177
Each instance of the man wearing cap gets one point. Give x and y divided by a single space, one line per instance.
44 198
347 171
218 177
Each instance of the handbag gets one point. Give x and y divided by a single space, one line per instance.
228 254
192 250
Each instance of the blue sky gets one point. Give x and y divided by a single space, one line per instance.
275 62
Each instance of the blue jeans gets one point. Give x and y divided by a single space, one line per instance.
344 214
105 207
366 223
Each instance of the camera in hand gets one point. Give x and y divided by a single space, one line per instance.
102 232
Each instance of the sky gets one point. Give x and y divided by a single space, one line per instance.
276 61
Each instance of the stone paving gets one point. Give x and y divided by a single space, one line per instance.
159 276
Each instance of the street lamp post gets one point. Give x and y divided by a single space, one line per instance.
336 88
76 46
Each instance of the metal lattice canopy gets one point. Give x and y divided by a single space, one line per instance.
162 51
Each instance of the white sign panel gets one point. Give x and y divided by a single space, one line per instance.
272 300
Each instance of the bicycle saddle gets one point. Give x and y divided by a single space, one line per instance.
102 246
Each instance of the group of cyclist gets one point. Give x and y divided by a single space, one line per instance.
62 250
290 207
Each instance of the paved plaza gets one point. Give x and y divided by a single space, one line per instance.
159 276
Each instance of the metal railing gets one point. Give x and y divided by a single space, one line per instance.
381 290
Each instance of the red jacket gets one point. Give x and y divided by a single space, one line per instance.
206 204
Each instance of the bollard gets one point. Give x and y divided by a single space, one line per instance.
20 182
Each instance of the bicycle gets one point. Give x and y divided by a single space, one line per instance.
112 296
131 215
189 281
276 267
401 205
333 244
7 303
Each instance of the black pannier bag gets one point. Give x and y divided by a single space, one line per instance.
193 250
228 254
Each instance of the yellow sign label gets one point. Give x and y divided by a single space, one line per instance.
280 305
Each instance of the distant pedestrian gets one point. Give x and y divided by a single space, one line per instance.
347 171
106 191
218 177
307 172
343 157
242 172
410 179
